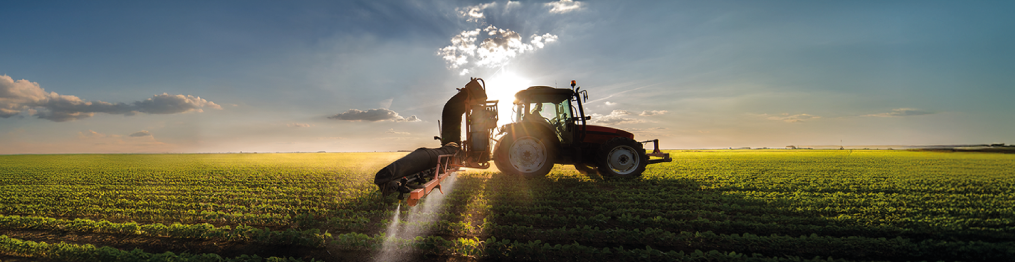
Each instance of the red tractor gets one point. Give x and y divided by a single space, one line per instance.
550 127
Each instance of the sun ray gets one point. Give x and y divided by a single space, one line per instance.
503 86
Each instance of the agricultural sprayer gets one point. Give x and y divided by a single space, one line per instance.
549 126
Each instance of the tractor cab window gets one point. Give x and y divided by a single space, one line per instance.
563 115
546 110
557 115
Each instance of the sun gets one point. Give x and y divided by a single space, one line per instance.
503 86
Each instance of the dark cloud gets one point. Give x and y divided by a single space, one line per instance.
899 112
142 133
373 115
24 96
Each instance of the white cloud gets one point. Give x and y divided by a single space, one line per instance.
564 6
541 40
373 115
608 103
475 13
900 112
298 125
652 112
495 47
615 117
462 47
412 118
24 96
786 117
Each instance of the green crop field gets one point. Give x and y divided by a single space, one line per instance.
722 205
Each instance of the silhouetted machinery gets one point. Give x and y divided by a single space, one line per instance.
549 126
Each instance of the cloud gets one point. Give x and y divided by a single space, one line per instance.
142 133
489 47
298 125
786 117
564 6
373 115
392 131
475 13
900 112
24 96
652 112
608 103
615 117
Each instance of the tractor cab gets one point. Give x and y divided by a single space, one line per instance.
552 108
562 111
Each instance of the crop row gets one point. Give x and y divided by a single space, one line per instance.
309 237
84 253
150 214
506 249
853 247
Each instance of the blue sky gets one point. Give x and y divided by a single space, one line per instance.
373 75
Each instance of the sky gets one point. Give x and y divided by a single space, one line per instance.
340 76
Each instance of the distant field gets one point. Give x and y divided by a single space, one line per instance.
720 205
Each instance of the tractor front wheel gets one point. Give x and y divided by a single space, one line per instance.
622 158
525 155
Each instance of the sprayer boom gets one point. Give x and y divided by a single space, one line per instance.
443 170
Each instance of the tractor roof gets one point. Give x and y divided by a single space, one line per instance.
544 94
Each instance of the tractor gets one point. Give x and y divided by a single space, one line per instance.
549 126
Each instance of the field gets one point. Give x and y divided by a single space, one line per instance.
723 205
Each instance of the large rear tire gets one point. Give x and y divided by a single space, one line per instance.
529 156
621 158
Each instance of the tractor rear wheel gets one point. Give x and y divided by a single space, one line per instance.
527 155
622 158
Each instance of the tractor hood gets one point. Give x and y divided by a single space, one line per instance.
601 134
